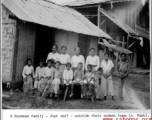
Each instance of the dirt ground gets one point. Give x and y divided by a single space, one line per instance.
137 96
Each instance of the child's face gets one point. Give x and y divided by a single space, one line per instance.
99 73
41 64
106 56
123 57
57 65
49 64
89 68
68 67
80 66
29 63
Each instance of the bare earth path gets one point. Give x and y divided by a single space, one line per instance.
137 96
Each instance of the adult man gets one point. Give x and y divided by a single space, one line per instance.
53 55
122 72
107 82
64 58
77 58
93 60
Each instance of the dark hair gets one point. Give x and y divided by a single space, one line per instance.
41 61
99 69
68 64
93 49
28 59
63 47
76 48
123 54
106 53
58 62
49 60
80 63
89 65
55 46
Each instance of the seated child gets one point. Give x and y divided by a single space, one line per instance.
47 76
68 75
56 79
39 75
78 78
28 75
89 82
98 76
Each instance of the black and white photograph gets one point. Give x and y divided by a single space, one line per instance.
75 54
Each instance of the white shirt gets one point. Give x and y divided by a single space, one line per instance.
39 71
48 71
76 59
67 75
107 66
54 56
93 61
27 71
64 58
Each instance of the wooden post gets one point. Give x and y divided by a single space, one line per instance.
127 46
98 22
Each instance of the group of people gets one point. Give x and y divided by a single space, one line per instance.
94 77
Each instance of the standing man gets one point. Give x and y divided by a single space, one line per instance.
77 58
107 82
93 60
122 72
53 55
64 58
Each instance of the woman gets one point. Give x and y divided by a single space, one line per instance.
77 58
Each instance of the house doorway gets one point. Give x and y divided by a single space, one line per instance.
45 37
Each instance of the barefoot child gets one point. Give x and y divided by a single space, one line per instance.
78 77
56 79
47 76
122 73
89 83
28 75
39 75
68 76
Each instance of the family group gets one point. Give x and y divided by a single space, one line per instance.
90 78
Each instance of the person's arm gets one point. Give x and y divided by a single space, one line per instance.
36 73
44 74
86 62
128 69
52 74
71 76
33 72
75 74
23 73
83 61
117 68
64 76
112 69
98 63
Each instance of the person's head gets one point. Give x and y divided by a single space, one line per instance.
106 55
77 50
89 67
29 61
49 63
64 49
68 66
80 66
123 56
57 64
92 51
54 48
41 63
99 71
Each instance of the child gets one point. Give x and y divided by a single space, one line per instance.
28 75
56 79
78 77
89 82
122 72
68 76
47 76
39 75
98 76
